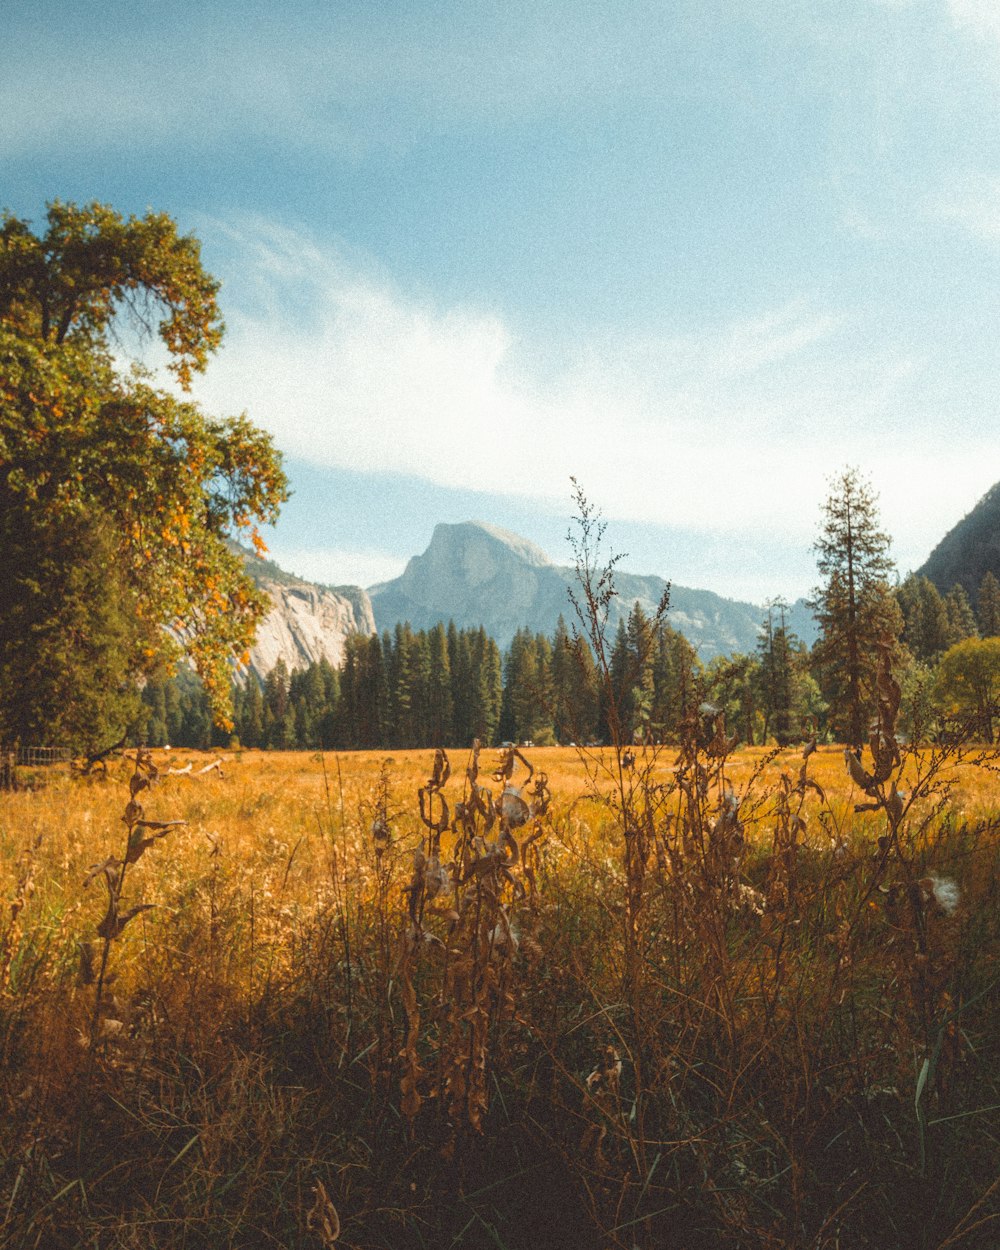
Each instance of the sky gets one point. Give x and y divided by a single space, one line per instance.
700 254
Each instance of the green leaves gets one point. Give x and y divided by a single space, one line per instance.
92 264
854 606
117 501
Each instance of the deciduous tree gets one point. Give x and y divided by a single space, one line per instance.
138 492
968 681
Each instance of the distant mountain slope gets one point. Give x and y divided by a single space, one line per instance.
307 622
476 574
970 550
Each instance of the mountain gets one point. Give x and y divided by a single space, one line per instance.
307 622
476 574
970 550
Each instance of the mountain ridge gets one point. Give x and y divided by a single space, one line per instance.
506 582
969 550
477 574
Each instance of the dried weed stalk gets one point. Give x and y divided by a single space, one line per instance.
10 939
140 834
473 874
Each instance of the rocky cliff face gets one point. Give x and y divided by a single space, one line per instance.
476 574
306 623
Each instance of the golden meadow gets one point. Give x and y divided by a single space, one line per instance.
664 998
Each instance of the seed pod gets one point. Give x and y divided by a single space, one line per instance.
514 812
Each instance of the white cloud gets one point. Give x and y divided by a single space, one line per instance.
981 17
726 431
972 202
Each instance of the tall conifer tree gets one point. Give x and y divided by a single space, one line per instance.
853 604
988 606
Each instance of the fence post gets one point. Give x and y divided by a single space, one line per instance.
8 767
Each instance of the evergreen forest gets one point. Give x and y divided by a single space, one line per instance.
447 686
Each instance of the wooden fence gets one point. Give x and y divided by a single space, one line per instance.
14 757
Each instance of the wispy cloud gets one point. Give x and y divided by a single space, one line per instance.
981 17
332 80
972 203
676 430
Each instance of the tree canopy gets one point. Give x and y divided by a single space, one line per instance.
92 264
968 681
118 500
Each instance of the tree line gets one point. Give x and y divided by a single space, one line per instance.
447 686
440 686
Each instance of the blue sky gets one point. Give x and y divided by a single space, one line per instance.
700 254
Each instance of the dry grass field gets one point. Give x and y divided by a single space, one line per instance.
697 1000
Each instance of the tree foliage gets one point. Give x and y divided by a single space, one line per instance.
68 284
788 697
988 606
854 604
961 618
968 681
926 627
117 499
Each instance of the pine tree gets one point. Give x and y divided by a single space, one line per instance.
574 687
398 666
854 605
487 669
308 696
276 700
348 716
155 700
419 733
676 681
281 718
777 650
190 712
640 686
988 606
925 618
540 730
326 725
462 685
613 690
732 684
377 692
961 618
251 725
439 699
175 713
516 712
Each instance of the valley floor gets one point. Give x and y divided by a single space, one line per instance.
693 1001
